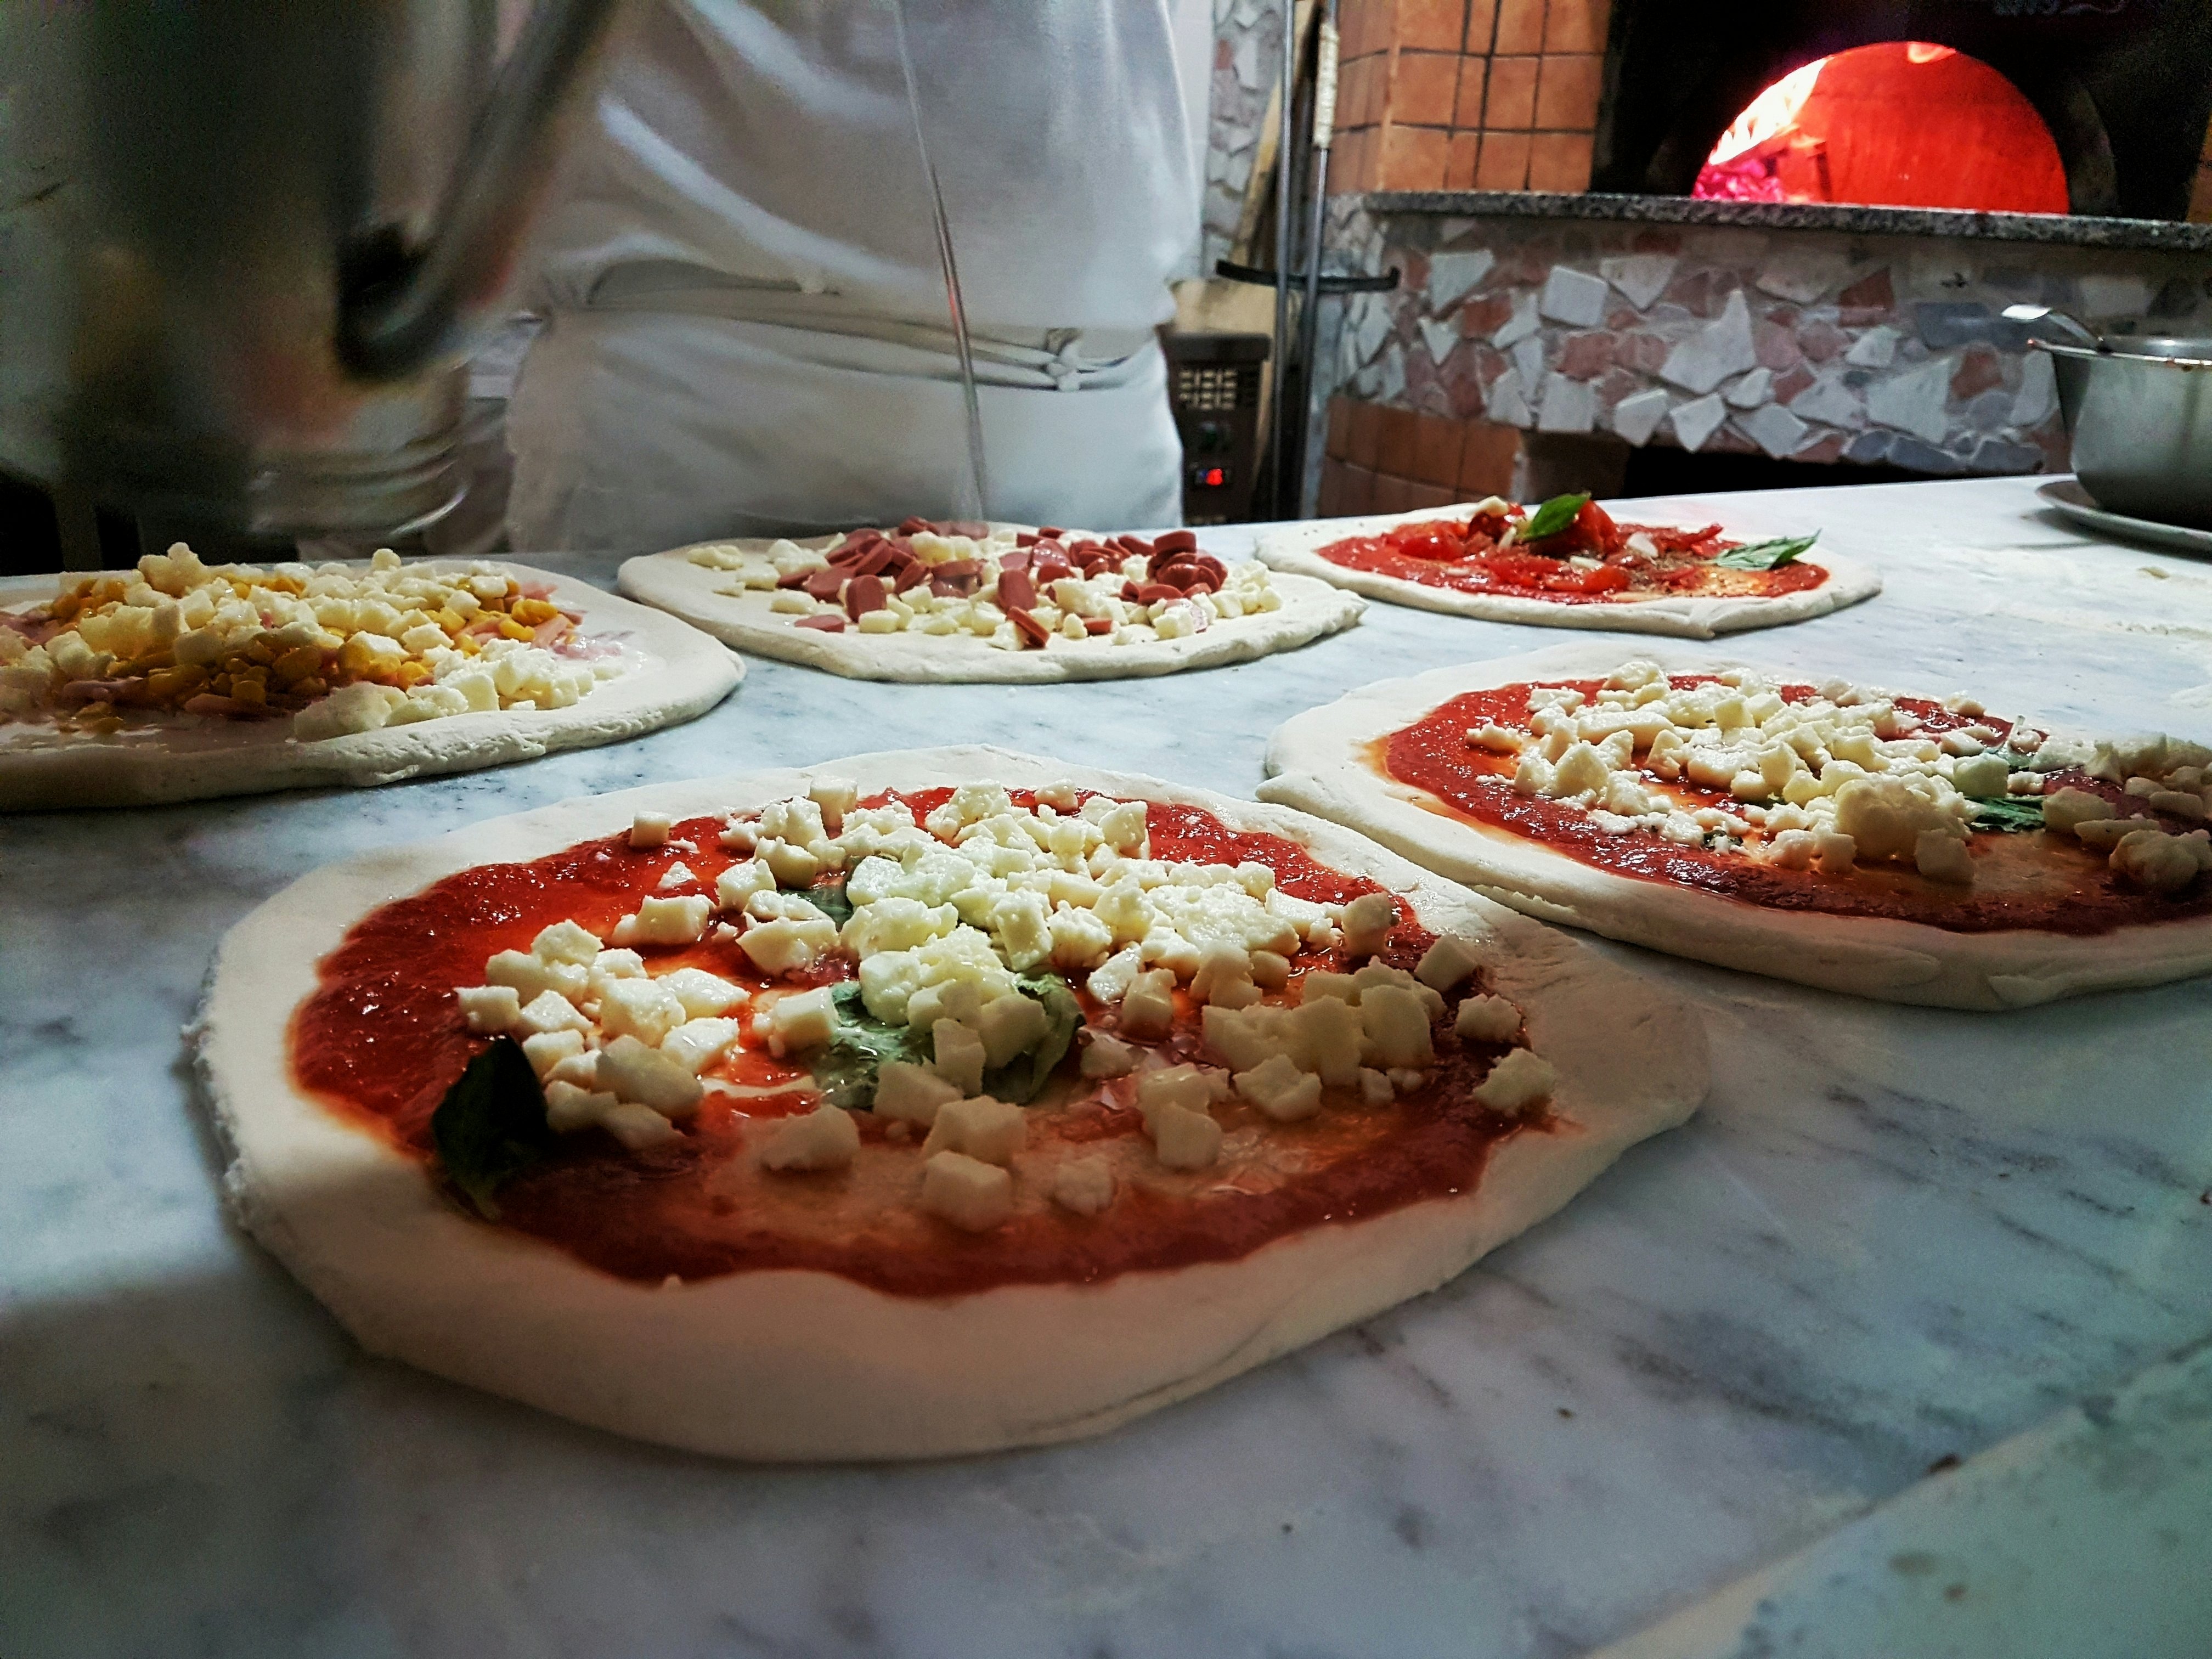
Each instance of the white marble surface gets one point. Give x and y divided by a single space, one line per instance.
1893 1235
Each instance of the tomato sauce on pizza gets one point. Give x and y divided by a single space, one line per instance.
2031 879
379 1042
1593 560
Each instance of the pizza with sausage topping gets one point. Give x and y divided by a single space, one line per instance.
968 601
1908 847
923 1104
182 679
1569 563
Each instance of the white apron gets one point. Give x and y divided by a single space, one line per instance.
746 325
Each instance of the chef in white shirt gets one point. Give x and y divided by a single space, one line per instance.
746 325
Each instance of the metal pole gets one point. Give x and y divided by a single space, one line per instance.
1324 124
1277 425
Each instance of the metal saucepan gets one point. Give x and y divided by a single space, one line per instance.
2140 416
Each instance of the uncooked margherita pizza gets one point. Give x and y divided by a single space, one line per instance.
181 680
1893 846
930 1103
1569 563
972 601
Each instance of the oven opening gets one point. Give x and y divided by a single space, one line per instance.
1902 124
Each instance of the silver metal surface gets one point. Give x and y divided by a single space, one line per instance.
2140 422
2072 327
245 244
2066 497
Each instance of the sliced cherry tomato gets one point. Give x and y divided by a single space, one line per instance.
1595 529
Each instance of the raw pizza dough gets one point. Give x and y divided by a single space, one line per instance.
693 591
1317 761
794 1364
1296 550
671 673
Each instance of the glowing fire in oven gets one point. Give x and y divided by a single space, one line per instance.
1902 124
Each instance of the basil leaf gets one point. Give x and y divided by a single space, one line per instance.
1022 1079
829 897
1765 556
491 1125
1552 516
2008 814
844 1067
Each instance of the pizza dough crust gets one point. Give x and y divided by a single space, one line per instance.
673 673
1317 761
1296 550
787 1364
672 581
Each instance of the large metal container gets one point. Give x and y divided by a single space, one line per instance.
243 246
2139 417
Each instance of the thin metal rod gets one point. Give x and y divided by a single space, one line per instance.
978 480
1277 424
1324 130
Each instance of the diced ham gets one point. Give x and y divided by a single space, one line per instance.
1028 626
1098 624
829 621
1016 590
862 595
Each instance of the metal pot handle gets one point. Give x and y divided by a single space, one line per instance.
403 308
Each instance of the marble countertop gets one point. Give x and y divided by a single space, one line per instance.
2059 229
1894 1236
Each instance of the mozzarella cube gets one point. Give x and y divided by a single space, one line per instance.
637 1127
908 1093
703 994
973 1196
1834 854
836 797
1516 1081
566 941
1084 1185
1397 1022
1944 857
1375 1088
990 1130
489 1008
1320 983
549 1010
650 829
642 1008
1185 1140
1224 977
803 1020
676 875
1011 1025
1186 1088
791 866
1107 1056
667 921
2070 806
1242 1038
1368 921
1447 961
786 947
737 883
647 1077
958 1055
545 1050
1110 980
1148 1006
1280 1089
2156 861
1324 1037
569 1108
824 1139
698 1043
1486 1019
1270 971
530 975
1981 775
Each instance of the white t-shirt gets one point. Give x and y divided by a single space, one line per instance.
749 195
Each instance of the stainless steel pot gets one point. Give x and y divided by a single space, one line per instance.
2139 417
243 246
